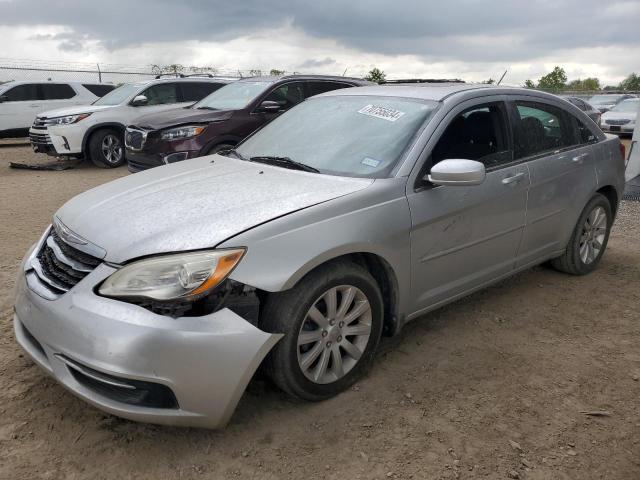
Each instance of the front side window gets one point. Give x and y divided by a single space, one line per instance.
194 91
233 96
120 95
22 93
357 136
161 94
478 133
540 128
57 91
287 95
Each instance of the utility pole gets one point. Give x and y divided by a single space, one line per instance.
99 73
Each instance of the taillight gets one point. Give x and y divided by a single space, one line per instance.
623 151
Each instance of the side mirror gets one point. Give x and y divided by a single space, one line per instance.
139 101
268 106
457 173
3 98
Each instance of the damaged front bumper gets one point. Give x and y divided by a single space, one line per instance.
136 364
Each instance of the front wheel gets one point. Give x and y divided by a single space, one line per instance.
106 148
332 321
589 239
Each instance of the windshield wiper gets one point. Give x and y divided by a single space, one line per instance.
232 152
284 162
204 108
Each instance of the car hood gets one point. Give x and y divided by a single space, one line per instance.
76 110
181 116
619 115
192 205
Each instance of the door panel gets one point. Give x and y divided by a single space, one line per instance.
561 178
465 236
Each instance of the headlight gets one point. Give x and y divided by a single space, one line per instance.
172 277
69 119
182 132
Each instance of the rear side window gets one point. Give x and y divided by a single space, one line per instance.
540 128
98 90
287 95
161 94
23 93
194 91
478 133
57 91
316 88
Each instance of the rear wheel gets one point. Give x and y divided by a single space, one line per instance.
589 239
332 321
106 148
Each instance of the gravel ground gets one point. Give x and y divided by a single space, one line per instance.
489 387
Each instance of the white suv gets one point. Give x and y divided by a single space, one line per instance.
96 131
20 102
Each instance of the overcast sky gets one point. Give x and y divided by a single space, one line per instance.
468 39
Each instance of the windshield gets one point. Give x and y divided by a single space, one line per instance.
356 136
604 99
233 96
631 105
119 95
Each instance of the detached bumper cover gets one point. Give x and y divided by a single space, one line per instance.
204 362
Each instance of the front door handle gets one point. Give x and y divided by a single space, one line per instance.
513 179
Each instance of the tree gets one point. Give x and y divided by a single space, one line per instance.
529 84
632 82
275 72
555 80
590 83
376 75
491 81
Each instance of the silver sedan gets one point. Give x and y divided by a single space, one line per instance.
157 296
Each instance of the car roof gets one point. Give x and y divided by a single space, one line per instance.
438 91
44 82
277 78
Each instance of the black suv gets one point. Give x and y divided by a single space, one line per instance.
221 120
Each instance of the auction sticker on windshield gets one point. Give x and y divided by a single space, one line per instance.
384 113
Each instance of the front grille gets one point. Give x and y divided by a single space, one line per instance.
40 138
616 122
134 138
60 266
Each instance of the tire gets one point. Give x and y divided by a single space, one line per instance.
219 148
582 256
288 313
106 148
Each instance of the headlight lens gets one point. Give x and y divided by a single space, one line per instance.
69 119
182 132
172 277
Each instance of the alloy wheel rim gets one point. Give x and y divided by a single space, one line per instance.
593 234
111 149
334 334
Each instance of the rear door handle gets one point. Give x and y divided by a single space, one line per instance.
513 179
578 158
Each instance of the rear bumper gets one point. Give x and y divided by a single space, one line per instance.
111 354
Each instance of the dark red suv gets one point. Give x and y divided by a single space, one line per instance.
221 120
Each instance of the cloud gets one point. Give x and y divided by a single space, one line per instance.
315 63
476 37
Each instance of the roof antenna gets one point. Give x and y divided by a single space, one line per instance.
345 71
500 81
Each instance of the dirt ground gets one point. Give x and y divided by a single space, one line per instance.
493 386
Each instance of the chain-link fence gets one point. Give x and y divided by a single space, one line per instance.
35 70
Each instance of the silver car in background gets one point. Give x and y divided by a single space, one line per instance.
157 296
606 101
622 118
